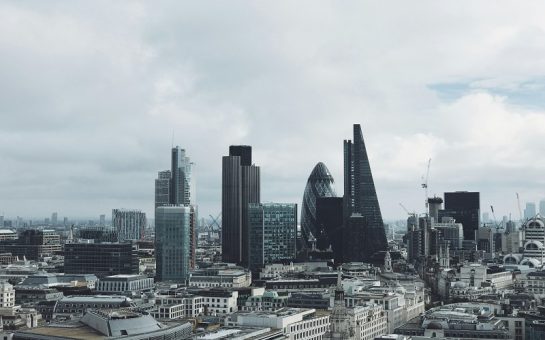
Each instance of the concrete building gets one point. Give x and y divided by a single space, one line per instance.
295 323
269 301
130 285
477 275
7 234
221 276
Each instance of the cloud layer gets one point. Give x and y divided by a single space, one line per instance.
92 94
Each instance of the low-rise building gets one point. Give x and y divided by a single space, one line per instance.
269 301
130 285
228 277
295 323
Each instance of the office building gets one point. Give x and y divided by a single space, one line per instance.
33 244
451 232
102 220
529 210
129 224
129 285
240 187
273 233
101 259
464 207
360 198
329 218
177 187
318 185
172 242
542 207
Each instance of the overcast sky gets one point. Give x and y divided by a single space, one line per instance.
91 93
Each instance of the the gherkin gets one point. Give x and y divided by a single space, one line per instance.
319 184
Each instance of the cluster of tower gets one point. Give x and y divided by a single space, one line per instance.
350 226
175 219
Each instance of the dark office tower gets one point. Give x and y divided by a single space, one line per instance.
181 190
244 152
464 207
360 198
318 185
329 218
240 187
162 188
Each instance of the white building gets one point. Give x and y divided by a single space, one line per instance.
534 283
7 295
477 275
296 323
124 284
228 277
175 307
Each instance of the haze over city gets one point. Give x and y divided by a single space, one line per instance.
94 95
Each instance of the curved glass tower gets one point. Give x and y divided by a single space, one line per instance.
318 185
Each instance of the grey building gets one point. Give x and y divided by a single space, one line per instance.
172 242
181 185
273 233
130 224
360 199
240 187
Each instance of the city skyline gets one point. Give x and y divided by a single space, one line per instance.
109 88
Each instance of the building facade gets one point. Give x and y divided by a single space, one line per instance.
129 224
465 208
172 242
240 187
101 259
273 233
319 184
360 198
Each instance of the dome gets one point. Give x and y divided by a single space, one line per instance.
532 263
319 184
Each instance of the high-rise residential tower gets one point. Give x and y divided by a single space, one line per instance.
361 207
129 224
240 187
172 242
318 185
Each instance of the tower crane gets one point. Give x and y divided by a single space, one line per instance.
520 210
498 227
425 183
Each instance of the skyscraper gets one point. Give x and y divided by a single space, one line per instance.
318 185
240 187
530 210
172 242
54 219
360 200
542 208
177 187
129 224
329 217
273 233
464 207
181 186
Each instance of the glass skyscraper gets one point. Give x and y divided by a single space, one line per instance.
273 233
172 242
318 185
361 203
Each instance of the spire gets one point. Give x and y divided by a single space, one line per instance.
339 278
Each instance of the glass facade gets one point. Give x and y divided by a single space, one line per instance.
273 233
172 242
319 184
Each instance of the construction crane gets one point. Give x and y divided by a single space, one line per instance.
215 222
498 227
425 183
520 210
407 211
